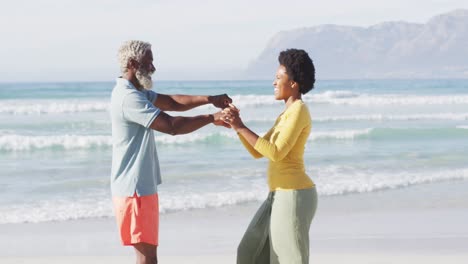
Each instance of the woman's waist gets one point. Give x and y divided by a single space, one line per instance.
287 167
289 181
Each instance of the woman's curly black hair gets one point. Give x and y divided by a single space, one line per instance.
299 68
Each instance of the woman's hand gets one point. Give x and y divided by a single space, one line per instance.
231 115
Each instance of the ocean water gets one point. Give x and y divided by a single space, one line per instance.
367 136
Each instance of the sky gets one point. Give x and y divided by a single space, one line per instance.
70 40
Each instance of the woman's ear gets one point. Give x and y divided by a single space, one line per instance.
294 85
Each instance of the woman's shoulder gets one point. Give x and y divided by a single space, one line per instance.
299 108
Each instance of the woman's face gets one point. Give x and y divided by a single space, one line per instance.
282 84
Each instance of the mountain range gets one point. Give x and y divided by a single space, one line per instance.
436 49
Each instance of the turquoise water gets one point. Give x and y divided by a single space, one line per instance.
367 136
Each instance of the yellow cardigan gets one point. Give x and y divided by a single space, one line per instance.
284 146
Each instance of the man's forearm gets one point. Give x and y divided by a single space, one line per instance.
187 102
184 125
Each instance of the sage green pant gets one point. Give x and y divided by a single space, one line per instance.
279 231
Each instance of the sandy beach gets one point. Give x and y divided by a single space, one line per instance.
355 228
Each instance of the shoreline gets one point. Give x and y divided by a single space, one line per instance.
216 259
424 225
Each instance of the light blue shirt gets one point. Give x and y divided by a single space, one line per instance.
135 164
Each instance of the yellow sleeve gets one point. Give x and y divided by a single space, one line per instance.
249 147
287 137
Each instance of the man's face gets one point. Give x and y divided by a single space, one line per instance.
145 70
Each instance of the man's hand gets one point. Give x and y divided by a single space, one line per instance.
220 101
218 120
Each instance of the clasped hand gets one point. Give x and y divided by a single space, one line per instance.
231 116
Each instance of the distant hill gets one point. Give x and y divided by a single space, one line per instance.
436 49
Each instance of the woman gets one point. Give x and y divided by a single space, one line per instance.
279 231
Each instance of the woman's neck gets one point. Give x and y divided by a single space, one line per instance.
291 100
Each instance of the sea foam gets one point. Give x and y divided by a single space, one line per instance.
330 181
71 142
29 107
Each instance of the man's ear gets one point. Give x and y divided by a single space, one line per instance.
133 64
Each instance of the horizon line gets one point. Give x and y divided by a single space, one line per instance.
247 80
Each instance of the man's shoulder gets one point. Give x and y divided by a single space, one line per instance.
121 91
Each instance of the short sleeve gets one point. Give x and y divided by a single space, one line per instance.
138 108
151 95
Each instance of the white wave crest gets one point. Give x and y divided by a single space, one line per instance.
335 94
70 142
21 143
373 117
387 99
59 210
98 204
194 137
340 135
31 107
258 100
16 107
351 98
382 117
332 180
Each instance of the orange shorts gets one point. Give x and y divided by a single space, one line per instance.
137 219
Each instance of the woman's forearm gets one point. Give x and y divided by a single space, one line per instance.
248 135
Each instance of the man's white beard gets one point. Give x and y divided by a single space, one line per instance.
144 78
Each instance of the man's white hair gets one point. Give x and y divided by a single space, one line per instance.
132 49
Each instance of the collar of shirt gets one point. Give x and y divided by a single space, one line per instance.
124 82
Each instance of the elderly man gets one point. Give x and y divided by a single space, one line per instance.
136 111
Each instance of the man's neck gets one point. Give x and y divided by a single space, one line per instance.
132 79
